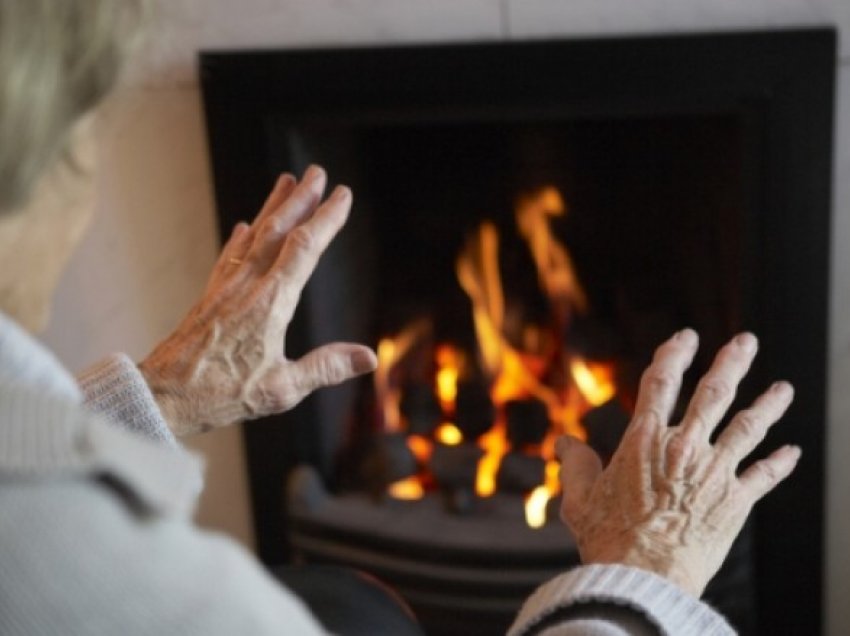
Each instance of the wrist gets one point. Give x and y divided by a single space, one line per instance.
168 399
645 556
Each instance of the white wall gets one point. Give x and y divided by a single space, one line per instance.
154 239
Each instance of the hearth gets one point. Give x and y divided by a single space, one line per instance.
531 220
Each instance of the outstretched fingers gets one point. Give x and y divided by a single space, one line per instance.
717 388
283 187
282 213
763 476
305 244
660 383
749 427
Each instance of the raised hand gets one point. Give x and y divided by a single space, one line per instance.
670 501
225 362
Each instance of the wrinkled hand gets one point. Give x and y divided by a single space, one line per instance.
225 362
670 501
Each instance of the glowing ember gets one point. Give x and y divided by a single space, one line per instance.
421 447
408 489
448 434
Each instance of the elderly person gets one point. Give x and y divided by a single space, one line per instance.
96 491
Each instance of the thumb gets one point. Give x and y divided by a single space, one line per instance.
580 468
332 364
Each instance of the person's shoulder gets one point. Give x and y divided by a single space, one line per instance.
47 438
110 548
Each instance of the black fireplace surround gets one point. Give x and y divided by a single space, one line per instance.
612 122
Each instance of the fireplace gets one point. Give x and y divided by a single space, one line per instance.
530 221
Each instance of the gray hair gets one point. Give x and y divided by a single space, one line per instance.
58 59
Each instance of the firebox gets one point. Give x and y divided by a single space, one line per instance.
531 220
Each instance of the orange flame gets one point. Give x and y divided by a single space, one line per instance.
554 265
494 443
594 381
449 361
390 353
421 448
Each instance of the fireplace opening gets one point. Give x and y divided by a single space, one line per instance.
530 222
501 273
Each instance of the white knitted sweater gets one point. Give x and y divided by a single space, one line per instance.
96 497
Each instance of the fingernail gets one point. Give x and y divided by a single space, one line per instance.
686 335
313 173
781 386
363 361
341 193
746 341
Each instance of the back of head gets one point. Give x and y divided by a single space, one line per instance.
58 59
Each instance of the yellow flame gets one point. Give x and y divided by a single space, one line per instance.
535 507
448 370
593 382
494 443
477 271
408 489
448 434
537 502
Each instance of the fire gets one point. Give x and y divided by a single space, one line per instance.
494 443
554 265
390 353
535 507
594 381
534 364
421 447
449 361
537 502
448 434
408 489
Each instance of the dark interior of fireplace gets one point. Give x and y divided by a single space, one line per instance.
688 181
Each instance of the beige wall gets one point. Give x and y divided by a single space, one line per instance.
154 238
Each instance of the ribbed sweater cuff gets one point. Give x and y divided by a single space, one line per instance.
116 389
662 602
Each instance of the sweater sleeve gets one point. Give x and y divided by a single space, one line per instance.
115 389
614 600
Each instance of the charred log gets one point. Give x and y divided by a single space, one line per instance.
520 473
420 409
475 412
528 422
605 426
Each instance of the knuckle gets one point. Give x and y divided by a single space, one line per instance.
767 471
331 370
660 381
748 424
679 449
716 389
302 239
